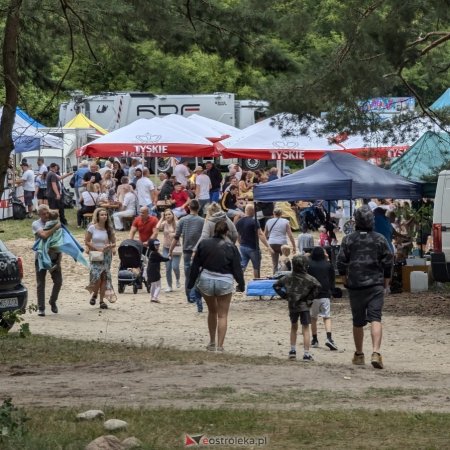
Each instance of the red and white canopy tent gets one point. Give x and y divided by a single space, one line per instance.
149 138
224 129
267 142
191 126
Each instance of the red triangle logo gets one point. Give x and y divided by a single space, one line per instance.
188 441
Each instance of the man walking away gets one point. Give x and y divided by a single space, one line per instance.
365 261
190 227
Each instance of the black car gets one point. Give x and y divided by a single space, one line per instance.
13 294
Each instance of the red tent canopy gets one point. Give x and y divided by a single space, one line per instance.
149 138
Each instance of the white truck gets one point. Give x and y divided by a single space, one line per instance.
440 257
113 110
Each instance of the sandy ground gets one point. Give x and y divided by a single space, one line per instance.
415 347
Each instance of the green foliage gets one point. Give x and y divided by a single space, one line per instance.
303 56
16 317
12 421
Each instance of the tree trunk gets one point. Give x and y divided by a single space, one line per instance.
11 80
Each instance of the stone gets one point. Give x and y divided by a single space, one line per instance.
91 414
115 424
131 442
107 442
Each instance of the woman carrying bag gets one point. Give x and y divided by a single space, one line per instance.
216 263
100 240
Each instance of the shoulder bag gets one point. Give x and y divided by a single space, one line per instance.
96 256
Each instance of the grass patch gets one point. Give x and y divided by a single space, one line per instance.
49 350
165 428
19 229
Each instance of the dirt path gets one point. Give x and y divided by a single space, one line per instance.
415 350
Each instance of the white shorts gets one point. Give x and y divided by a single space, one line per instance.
321 308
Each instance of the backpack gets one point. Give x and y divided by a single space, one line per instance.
19 210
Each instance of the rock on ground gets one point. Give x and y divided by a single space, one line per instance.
107 442
115 424
131 442
91 414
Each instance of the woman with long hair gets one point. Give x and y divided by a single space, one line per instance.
117 173
168 224
100 237
216 263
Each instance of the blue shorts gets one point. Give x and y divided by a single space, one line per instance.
214 288
250 254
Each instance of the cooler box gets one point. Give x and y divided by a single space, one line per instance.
261 288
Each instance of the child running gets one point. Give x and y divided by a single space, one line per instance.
154 269
322 270
299 289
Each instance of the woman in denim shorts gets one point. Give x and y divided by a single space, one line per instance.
215 266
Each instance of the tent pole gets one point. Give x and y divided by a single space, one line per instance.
258 250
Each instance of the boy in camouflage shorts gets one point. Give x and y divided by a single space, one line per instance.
299 289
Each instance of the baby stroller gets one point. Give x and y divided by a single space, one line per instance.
132 266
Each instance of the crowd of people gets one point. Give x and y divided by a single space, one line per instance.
202 216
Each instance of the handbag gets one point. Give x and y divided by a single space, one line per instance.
177 250
95 256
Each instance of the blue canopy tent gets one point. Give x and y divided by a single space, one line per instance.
338 176
442 102
27 137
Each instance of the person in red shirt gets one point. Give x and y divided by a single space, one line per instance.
145 225
180 200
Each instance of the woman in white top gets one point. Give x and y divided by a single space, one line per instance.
88 201
100 237
277 233
168 224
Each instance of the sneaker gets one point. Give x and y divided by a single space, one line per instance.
358 359
41 313
292 355
169 289
155 300
178 285
211 347
314 343
308 357
330 344
376 360
53 307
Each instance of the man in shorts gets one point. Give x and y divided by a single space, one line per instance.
28 183
299 289
365 261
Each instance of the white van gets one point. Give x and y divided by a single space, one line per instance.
440 258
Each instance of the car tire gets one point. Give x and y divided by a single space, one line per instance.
164 165
252 164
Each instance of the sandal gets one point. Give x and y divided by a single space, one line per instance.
93 299
103 305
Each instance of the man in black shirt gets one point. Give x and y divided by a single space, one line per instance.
93 176
54 192
248 229
216 179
